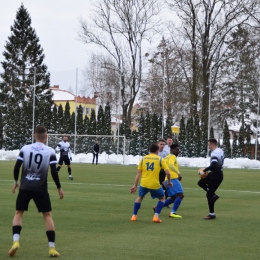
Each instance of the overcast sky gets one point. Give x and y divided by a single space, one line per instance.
56 23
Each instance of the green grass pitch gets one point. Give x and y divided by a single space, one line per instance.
93 220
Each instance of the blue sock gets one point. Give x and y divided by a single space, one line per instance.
167 202
159 207
176 204
137 206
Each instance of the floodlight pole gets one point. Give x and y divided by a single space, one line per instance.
209 106
163 89
76 103
256 139
118 128
34 82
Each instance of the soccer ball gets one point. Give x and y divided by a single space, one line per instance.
202 174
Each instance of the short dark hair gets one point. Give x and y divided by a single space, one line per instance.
153 148
161 140
173 146
213 141
40 132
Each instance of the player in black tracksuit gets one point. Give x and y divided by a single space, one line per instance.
211 183
95 152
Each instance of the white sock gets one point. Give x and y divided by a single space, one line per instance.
156 215
212 214
16 237
51 244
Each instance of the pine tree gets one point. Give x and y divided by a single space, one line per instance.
197 137
1 130
80 131
125 129
44 114
54 121
182 138
168 128
147 133
72 123
23 63
257 152
235 147
141 131
241 142
61 128
211 134
134 147
26 122
86 125
87 146
80 121
110 147
107 119
92 123
226 141
160 135
189 137
67 119
13 138
248 142
100 128
154 128
204 140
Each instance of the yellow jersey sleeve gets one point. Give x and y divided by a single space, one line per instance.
173 166
164 165
139 167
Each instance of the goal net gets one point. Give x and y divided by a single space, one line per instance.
110 144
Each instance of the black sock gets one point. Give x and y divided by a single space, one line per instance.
17 229
51 235
58 168
69 171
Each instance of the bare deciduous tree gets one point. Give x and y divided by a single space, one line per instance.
207 25
103 82
165 82
120 28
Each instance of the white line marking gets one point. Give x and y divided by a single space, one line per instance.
123 185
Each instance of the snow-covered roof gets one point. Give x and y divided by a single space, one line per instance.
234 128
62 95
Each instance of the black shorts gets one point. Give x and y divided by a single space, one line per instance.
162 175
64 159
40 198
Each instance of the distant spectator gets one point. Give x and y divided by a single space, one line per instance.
95 152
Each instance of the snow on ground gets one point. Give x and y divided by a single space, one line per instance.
133 160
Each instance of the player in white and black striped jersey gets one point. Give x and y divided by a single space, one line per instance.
215 177
162 153
63 148
36 159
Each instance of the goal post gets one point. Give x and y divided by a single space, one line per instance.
110 144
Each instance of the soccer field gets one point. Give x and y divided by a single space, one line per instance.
93 220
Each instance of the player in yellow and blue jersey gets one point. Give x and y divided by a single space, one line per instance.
175 192
148 173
